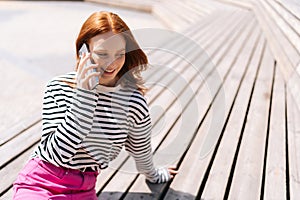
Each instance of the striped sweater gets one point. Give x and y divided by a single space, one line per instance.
88 128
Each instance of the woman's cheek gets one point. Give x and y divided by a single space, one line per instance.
121 61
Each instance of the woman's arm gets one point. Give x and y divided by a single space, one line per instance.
138 144
66 125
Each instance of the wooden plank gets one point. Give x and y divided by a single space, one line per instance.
26 139
8 195
165 99
292 6
274 35
191 14
9 173
203 7
159 67
190 55
166 16
162 56
185 14
194 166
204 40
20 127
287 15
220 53
215 186
245 4
18 99
198 8
293 85
213 5
185 183
275 178
293 135
249 165
287 29
144 6
281 47
126 180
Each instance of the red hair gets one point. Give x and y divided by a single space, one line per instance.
135 59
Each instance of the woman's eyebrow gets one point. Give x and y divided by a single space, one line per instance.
100 49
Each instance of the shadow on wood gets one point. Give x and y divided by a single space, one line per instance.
158 191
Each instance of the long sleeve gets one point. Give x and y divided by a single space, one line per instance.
139 147
67 119
138 143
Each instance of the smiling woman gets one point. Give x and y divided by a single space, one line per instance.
85 129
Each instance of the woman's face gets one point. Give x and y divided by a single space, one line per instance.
108 51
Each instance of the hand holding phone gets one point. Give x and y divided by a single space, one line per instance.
87 75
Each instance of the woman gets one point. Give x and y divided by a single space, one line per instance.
84 128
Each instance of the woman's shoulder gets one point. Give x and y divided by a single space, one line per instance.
59 88
64 80
137 101
135 94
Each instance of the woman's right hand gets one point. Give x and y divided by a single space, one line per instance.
172 171
165 174
83 77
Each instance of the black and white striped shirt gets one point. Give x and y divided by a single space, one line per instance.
88 128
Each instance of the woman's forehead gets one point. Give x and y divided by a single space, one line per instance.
108 41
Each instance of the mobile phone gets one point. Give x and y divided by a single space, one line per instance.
94 81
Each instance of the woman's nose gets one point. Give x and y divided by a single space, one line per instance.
109 61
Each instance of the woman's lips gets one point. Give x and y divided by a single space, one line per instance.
109 71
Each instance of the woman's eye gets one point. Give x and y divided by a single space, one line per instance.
102 54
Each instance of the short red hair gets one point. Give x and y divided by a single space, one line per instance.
135 59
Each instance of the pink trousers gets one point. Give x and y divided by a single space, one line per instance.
41 180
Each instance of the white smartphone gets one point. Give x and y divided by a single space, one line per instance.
94 81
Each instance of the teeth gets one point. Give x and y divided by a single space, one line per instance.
109 70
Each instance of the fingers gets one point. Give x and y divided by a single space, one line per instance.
91 67
84 58
85 81
172 170
86 71
87 78
172 167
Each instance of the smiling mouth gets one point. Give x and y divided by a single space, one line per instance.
108 71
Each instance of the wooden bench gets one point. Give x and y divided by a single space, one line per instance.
280 21
240 136
178 14
246 4
144 6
